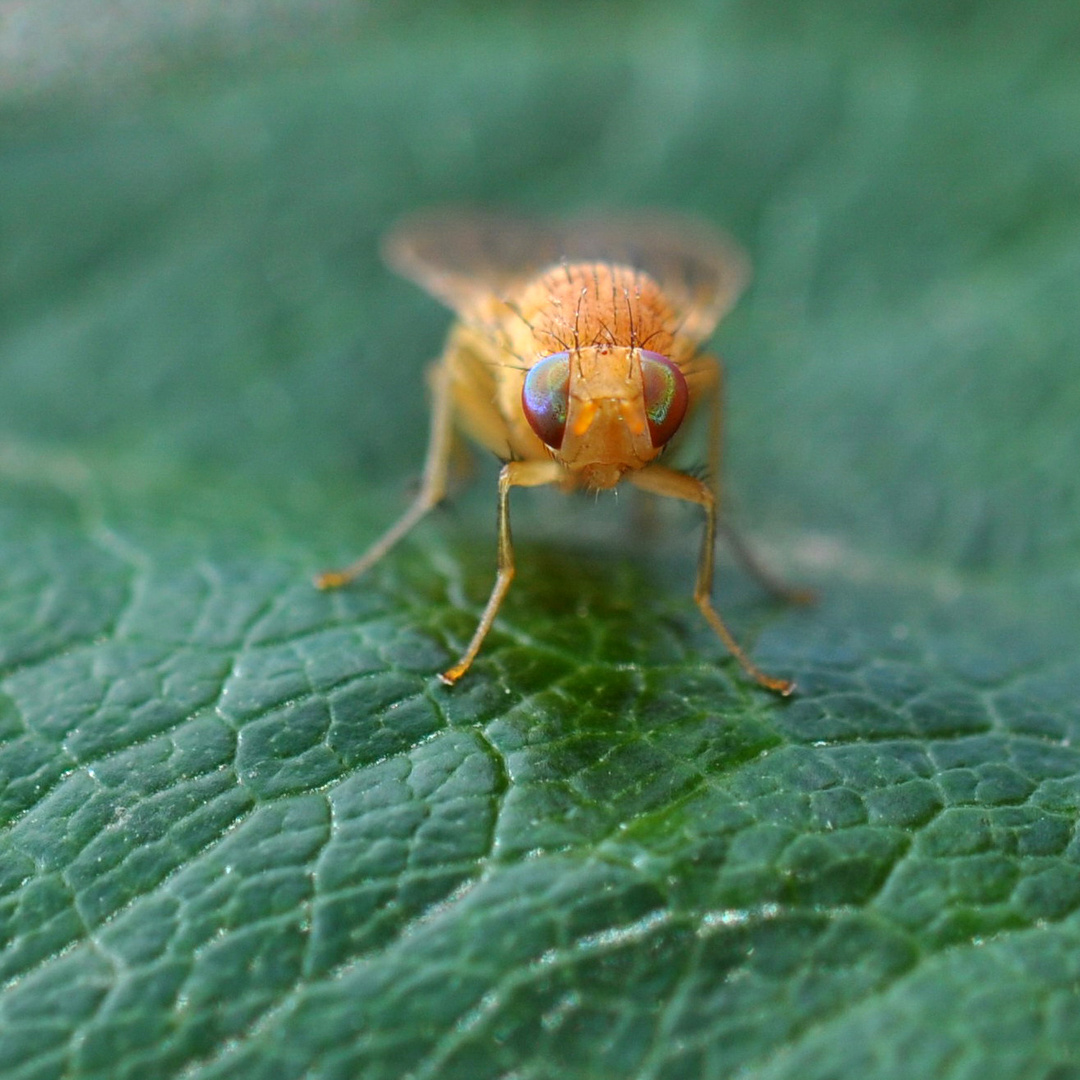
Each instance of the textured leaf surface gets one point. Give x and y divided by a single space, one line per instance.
244 831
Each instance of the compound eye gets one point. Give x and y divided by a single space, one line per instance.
666 396
545 398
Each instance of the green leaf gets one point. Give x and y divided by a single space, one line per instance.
244 832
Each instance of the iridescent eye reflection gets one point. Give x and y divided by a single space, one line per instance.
666 396
545 398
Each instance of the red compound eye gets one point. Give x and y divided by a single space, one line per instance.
545 398
666 396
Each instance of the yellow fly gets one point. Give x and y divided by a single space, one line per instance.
575 358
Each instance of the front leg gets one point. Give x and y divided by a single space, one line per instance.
513 474
676 485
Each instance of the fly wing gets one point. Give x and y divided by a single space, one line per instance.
473 262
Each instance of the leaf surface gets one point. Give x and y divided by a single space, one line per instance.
243 830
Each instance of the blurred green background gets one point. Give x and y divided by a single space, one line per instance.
244 832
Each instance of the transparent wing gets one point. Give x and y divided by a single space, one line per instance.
471 261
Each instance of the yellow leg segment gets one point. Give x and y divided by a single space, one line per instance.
677 485
513 474
792 594
432 487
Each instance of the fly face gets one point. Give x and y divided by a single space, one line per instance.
602 410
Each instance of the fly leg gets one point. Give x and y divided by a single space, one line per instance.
713 378
513 474
677 485
432 487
